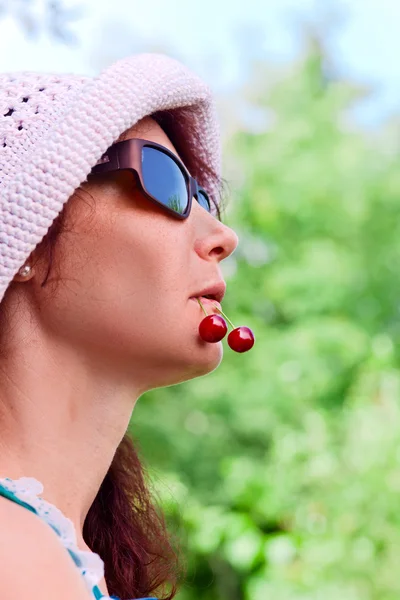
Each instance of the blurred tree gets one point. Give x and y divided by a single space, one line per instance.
35 15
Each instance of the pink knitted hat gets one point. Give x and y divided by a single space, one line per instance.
54 128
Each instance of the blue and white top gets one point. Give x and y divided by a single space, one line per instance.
25 491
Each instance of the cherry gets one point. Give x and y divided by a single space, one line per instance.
241 339
213 328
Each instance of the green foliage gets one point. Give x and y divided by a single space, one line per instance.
281 469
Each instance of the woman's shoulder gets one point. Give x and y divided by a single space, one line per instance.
26 492
29 536
33 563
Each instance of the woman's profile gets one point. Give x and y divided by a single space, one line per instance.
110 231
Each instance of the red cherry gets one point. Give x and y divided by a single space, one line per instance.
213 328
241 339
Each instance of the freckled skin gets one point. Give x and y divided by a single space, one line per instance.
119 322
131 269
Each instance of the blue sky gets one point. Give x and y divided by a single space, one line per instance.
210 36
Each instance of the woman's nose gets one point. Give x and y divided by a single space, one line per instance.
218 240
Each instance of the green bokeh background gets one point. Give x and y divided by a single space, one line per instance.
280 471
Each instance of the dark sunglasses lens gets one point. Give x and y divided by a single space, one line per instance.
163 179
204 201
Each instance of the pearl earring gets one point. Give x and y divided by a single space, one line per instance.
25 270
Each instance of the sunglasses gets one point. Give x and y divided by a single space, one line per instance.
162 177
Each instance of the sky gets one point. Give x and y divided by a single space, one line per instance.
212 36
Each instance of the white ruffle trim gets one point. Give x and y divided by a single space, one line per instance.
28 489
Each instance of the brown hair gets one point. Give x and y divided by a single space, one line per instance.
124 525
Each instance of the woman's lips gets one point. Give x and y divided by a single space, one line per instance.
207 302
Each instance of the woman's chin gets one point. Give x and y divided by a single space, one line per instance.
209 356
204 358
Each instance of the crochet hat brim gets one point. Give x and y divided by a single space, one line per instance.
101 109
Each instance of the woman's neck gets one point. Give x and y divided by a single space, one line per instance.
61 423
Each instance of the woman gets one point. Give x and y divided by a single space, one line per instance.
105 244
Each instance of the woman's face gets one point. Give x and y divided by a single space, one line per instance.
127 272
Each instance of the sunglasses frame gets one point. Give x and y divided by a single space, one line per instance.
127 156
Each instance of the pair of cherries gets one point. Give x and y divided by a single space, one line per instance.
214 328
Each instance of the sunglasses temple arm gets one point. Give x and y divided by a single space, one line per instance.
108 162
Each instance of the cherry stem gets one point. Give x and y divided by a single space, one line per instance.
224 315
199 301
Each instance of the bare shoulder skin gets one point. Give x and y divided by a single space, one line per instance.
33 562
